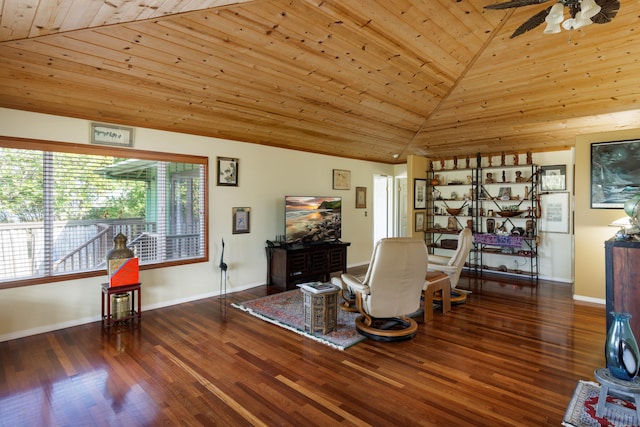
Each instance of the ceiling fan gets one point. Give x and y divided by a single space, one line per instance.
583 12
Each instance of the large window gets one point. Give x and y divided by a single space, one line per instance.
61 206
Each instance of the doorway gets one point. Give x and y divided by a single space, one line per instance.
382 207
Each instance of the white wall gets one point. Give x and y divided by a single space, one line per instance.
556 249
265 175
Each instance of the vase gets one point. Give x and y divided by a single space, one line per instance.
120 249
621 348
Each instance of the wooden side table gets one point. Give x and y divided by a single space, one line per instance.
320 310
612 385
107 318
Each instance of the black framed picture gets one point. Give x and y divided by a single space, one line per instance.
615 173
419 193
553 178
241 220
228 171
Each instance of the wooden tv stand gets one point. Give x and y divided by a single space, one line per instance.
289 265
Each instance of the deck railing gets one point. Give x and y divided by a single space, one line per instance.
82 246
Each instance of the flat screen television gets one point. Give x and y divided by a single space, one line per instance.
312 219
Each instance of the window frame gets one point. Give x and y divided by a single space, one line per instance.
78 148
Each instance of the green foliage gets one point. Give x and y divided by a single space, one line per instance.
80 189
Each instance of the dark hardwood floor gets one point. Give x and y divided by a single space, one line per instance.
511 355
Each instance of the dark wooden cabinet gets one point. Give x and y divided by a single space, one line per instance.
289 265
623 280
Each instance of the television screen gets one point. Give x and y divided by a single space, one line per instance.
312 219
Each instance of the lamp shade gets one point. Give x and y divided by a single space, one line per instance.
554 19
556 14
589 9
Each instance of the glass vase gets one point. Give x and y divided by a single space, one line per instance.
621 348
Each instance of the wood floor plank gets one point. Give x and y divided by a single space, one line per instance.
511 355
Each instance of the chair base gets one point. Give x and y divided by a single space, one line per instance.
387 330
348 302
457 297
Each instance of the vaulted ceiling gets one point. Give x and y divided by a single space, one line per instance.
362 79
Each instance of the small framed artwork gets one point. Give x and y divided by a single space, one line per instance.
419 221
241 220
341 179
120 136
491 225
555 213
361 197
419 193
228 171
553 178
505 193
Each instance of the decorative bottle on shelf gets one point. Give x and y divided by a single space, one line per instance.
621 348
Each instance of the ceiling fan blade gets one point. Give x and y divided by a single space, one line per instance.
531 23
609 10
514 3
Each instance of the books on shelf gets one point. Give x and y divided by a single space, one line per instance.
317 287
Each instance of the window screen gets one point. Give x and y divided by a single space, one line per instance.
60 210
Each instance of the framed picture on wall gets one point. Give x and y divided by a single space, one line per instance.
553 178
341 179
615 175
419 193
555 212
119 136
228 171
361 197
241 220
419 221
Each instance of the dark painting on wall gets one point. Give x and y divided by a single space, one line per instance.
615 173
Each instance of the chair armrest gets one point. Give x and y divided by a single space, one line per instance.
355 284
438 259
443 268
335 281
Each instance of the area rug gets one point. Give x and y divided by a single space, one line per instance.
581 411
286 310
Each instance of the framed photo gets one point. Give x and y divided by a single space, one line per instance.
419 193
491 225
228 171
120 136
505 193
241 220
555 212
361 197
615 175
341 179
553 178
419 221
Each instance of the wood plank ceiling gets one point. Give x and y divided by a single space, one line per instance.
354 78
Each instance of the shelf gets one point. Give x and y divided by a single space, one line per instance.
521 180
442 231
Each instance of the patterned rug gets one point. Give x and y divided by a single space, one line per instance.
285 309
581 411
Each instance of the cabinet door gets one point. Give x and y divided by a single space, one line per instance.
297 264
337 259
317 262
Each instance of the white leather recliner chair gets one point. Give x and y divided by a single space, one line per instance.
391 289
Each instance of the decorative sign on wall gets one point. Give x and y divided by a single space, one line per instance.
104 134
